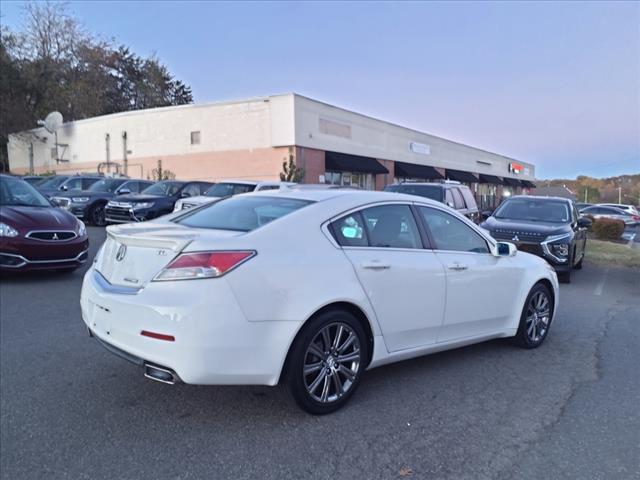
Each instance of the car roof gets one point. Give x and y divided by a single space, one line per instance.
356 196
538 197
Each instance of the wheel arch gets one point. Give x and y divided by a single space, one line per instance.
343 305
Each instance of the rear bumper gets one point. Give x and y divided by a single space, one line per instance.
213 342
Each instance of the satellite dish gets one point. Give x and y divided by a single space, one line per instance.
53 122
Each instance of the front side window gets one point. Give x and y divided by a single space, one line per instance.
74 184
164 189
242 214
450 233
53 182
106 185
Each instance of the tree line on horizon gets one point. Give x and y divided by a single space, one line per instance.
600 190
53 63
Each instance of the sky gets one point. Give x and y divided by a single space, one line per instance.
551 83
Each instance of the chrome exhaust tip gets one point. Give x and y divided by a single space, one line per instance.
160 374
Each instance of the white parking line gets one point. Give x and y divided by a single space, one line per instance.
600 286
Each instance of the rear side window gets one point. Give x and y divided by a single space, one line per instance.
241 214
349 231
448 198
458 202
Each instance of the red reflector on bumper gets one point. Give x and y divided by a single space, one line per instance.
158 336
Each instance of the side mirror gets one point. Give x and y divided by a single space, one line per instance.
486 214
449 204
64 188
584 222
185 195
505 249
124 191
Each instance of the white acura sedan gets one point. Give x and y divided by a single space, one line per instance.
309 288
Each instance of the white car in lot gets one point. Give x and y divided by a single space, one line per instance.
226 189
309 288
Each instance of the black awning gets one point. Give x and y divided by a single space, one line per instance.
512 182
528 184
343 162
412 170
490 179
460 176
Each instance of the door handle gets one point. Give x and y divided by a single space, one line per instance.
376 265
457 266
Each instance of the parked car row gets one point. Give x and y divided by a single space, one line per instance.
627 213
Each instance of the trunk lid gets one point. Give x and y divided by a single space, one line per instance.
133 254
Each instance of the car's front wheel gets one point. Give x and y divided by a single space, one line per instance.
327 361
97 215
536 316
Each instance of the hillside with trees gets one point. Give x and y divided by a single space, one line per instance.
601 190
54 64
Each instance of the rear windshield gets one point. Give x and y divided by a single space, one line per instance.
433 192
534 210
241 214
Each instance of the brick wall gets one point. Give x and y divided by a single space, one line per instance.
312 161
385 179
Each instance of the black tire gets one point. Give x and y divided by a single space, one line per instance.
97 215
564 277
335 380
533 329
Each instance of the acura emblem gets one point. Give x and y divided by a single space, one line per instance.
514 239
122 251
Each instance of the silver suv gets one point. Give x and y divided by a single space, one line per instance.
452 194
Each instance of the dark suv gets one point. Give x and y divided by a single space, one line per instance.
90 204
453 194
159 199
549 227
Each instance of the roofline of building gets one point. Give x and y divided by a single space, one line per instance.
266 98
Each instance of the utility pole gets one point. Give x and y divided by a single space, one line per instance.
30 158
107 138
125 160
586 191
619 194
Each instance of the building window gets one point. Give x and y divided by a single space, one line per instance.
195 138
350 179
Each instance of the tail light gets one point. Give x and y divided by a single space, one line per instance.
203 265
635 218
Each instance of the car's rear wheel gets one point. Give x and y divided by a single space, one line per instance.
326 362
97 215
535 320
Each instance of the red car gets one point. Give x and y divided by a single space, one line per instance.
35 235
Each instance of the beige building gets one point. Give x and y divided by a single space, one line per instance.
251 139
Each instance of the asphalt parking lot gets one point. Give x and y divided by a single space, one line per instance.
569 409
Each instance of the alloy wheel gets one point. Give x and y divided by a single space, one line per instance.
538 316
331 362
